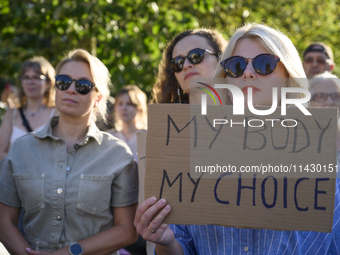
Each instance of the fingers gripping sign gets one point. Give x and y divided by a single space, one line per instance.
149 221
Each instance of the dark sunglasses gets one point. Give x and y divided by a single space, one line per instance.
83 86
322 97
263 64
194 56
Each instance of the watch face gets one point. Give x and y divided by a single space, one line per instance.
76 249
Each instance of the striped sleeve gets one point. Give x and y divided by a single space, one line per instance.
184 238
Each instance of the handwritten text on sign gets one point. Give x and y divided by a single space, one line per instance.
183 142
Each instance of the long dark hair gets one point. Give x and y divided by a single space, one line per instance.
165 87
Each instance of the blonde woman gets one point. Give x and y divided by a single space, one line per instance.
251 45
279 53
79 185
325 90
130 116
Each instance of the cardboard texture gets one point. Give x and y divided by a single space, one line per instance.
300 200
141 152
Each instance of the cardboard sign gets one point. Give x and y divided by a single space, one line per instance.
274 172
141 149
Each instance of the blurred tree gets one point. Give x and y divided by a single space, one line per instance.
129 36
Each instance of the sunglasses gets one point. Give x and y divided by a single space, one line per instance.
34 78
322 97
263 64
195 57
319 61
83 86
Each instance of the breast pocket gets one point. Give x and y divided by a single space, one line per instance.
94 194
31 191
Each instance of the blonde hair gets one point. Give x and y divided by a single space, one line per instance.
139 100
100 74
41 66
321 77
277 44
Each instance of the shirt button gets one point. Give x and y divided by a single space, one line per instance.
246 248
60 190
59 218
68 168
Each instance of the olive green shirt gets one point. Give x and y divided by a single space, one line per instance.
67 195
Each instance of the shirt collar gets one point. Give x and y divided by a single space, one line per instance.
93 131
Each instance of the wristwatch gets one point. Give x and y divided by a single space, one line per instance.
75 249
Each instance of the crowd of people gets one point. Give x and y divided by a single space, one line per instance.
70 188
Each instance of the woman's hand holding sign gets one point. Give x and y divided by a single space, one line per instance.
150 226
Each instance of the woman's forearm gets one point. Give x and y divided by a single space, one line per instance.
121 235
12 239
109 240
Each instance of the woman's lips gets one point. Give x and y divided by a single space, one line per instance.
30 89
189 75
70 101
245 89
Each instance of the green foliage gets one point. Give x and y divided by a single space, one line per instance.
129 36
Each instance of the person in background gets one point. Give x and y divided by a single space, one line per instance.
36 105
130 116
318 58
7 99
9 96
325 90
256 54
191 54
78 185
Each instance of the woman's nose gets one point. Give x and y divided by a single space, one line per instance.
249 72
329 101
123 106
72 89
187 64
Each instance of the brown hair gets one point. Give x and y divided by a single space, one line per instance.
41 66
165 87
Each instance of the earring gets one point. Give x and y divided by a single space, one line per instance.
179 94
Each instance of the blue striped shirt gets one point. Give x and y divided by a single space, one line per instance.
211 239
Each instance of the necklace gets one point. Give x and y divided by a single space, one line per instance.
32 114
